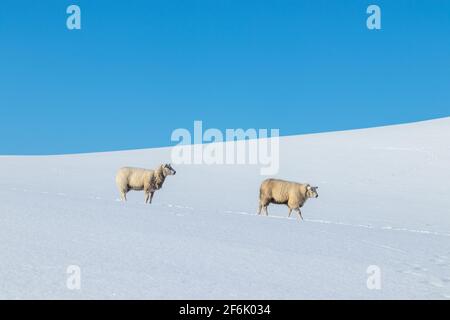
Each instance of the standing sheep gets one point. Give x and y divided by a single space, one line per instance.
142 179
292 194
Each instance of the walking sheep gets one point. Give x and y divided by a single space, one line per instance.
142 179
292 194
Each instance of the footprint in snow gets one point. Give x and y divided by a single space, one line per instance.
446 280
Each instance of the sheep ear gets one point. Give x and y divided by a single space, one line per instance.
308 187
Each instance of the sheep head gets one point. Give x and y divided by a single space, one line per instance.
168 170
311 192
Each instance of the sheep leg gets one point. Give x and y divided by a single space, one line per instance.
263 204
147 196
290 211
123 196
300 213
151 196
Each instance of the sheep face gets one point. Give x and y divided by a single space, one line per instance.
168 170
311 192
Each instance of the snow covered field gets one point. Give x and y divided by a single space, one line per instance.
384 200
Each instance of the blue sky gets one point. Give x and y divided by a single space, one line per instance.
137 70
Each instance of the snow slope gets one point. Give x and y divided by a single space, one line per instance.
384 200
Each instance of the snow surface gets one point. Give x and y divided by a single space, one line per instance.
384 200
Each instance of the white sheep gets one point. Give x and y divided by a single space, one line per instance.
138 179
292 194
